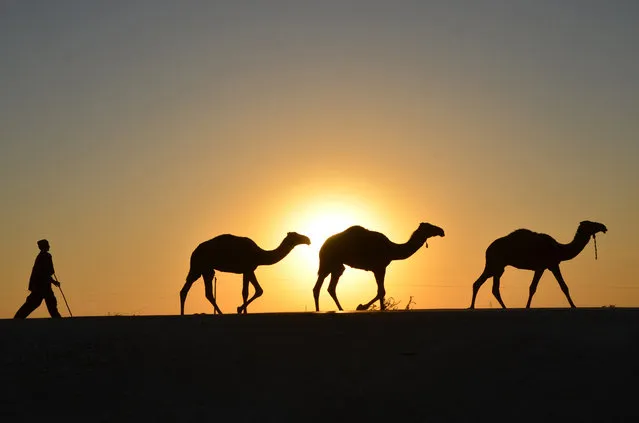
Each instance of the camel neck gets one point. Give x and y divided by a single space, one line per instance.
576 246
403 251
270 257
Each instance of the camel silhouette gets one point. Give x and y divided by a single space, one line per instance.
233 254
363 249
525 249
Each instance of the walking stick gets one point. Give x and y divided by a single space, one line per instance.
61 292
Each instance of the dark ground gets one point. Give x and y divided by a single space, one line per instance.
432 365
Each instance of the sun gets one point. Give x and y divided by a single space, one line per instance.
325 224
320 220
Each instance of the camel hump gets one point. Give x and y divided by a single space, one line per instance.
355 234
522 232
520 240
226 241
350 233
228 238
524 235
356 229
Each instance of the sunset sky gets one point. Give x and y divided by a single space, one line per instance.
134 130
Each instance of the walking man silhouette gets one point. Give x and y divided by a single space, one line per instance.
40 284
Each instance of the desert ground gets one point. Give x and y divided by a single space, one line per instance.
419 365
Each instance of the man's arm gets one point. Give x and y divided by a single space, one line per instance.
52 272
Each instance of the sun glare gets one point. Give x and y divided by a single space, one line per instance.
323 226
321 220
323 223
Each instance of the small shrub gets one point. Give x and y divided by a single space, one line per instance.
391 304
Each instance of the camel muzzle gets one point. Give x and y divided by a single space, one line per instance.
439 233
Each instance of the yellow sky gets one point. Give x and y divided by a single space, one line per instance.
133 134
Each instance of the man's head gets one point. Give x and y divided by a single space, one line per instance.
43 245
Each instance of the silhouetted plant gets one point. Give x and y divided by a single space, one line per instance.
391 304
410 303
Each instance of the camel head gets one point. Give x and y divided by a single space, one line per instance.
426 230
591 228
293 238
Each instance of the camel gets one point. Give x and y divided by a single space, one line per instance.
363 249
233 254
525 249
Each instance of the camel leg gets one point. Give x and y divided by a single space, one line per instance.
381 292
332 285
245 292
318 286
533 285
562 284
478 283
258 293
190 278
183 293
208 291
496 293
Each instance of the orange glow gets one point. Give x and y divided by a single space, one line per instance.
319 213
322 219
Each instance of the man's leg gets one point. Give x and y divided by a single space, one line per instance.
33 301
52 304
